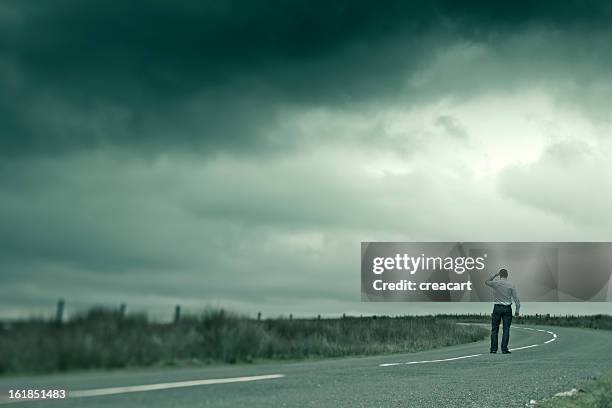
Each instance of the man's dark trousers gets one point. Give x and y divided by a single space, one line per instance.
500 312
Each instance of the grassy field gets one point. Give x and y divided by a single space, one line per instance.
107 339
592 394
103 338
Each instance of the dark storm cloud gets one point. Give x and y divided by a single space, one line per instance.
344 121
207 76
452 126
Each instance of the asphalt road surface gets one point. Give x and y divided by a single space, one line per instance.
458 376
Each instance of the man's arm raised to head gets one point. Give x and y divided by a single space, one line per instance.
489 282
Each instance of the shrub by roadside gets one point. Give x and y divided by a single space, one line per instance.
103 338
592 394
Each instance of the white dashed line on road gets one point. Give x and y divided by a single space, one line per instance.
554 337
165 386
97 392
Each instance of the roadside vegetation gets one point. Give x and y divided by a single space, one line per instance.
103 338
592 394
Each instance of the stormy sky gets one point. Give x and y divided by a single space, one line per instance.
236 153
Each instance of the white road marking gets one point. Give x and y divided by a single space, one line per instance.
151 387
477 355
524 347
165 386
430 361
443 359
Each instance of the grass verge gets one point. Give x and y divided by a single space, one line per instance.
592 394
106 339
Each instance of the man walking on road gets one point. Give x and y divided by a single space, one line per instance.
504 293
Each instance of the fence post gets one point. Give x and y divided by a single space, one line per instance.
177 313
59 312
290 316
258 316
122 309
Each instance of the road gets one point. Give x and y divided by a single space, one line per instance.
459 376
